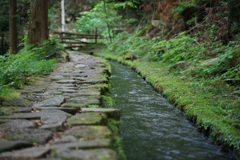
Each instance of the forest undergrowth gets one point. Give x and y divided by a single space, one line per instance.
190 54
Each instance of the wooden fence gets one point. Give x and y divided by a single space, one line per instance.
72 39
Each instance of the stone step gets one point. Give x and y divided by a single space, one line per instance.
111 113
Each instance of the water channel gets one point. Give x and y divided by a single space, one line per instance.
153 129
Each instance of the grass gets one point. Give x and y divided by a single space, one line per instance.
205 103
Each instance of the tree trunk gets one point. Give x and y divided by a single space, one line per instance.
63 15
13 26
234 17
38 22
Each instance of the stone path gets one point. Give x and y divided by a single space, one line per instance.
67 121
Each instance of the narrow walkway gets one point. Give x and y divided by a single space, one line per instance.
67 122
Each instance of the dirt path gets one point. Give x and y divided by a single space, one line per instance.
67 121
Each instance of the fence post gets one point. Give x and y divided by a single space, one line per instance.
95 33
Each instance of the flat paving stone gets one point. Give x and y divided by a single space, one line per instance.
34 115
68 91
68 110
89 132
51 102
66 139
18 124
91 154
86 119
22 110
53 122
13 145
15 102
74 105
89 92
98 143
26 154
65 81
32 135
80 66
111 113
85 100
90 81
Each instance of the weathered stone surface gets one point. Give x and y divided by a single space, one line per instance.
92 154
89 132
22 110
51 102
68 91
86 119
13 145
91 81
66 139
74 105
15 101
32 135
111 113
85 100
53 122
26 154
80 66
18 124
34 115
68 110
65 81
98 143
89 92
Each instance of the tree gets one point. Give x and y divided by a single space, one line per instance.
38 22
234 16
13 26
63 15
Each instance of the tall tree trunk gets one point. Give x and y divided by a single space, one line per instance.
38 22
234 17
107 22
13 26
63 15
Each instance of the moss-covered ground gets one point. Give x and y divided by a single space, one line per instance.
206 103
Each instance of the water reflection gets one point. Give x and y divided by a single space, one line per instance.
153 129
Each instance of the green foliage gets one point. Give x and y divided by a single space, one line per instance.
16 68
181 7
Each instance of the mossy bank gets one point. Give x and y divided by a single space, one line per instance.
197 98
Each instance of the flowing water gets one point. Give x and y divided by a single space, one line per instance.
153 129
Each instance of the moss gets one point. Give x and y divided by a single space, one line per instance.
117 141
196 98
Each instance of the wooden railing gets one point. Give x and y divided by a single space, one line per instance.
72 39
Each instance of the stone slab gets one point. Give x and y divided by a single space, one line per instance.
53 122
111 113
86 119
85 100
32 135
66 139
74 105
89 132
51 102
98 143
13 145
34 115
17 124
91 154
68 110
24 154
65 81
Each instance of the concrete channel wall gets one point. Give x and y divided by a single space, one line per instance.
59 116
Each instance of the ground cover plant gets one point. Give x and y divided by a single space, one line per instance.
195 67
16 69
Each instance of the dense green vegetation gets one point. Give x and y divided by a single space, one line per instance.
185 49
188 60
